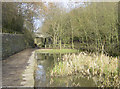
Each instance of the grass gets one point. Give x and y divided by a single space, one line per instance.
52 51
105 68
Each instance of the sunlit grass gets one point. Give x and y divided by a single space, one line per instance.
52 51
105 68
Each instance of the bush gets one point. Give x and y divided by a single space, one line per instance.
29 38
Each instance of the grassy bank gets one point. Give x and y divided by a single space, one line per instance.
103 67
52 51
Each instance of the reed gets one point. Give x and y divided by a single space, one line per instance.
101 66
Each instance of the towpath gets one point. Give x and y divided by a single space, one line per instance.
14 66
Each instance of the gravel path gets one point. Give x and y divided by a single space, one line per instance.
14 66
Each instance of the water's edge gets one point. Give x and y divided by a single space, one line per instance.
28 75
46 63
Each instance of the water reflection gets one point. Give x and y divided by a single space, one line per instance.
43 79
41 73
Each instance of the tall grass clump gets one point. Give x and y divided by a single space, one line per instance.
102 67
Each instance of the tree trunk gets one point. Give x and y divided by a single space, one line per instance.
54 41
60 43
72 40
119 35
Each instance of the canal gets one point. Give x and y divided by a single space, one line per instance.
45 63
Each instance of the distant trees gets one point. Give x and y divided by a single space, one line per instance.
93 25
12 20
14 16
18 16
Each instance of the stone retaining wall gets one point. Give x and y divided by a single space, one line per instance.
12 43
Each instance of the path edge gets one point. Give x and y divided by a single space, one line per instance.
28 76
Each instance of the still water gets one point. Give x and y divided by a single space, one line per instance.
45 63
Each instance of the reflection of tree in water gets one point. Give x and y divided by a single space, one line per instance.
72 81
41 75
48 61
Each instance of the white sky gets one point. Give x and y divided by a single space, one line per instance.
59 0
